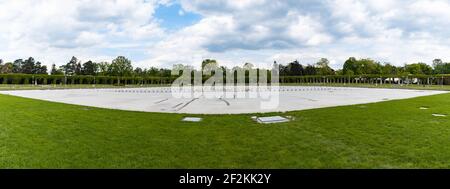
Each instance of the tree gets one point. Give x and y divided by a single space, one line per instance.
413 68
17 66
362 66
437 61
440 67
7 68
426 69
90 68
121 66
78 69
56 71
294 69
310 70
389 69
138 71
153 72
103 68
39 69
350 65
284 70
165 72
349 72
369 66
418 68
323 67
28 66
71 67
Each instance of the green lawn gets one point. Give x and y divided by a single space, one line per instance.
394 134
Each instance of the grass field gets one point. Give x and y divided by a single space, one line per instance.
393 134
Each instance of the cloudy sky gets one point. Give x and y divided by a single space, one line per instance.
163 33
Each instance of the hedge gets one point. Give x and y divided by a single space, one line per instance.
82 79
113 80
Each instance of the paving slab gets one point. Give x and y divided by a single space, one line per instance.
160 99
272 119
192 119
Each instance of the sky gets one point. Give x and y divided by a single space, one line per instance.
167 32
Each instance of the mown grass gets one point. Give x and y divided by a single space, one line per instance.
393 134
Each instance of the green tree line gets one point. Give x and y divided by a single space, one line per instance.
121 71
354 66
121 66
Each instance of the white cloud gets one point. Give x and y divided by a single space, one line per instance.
53 31
88 39
308 31
386 30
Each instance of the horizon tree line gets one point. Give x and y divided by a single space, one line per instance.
121 66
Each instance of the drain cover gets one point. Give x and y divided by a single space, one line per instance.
273 119
192 119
